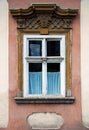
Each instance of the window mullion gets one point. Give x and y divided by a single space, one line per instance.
44 78
44 48
44 67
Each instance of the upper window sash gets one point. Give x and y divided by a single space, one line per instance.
44 38
44 57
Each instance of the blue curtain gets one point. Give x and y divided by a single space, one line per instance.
53 81
35 83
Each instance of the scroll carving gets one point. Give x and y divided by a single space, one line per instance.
44 21
44 16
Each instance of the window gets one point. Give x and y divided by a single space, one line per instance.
44 65
44 53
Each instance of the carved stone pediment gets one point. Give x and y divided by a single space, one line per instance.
44 19
44 16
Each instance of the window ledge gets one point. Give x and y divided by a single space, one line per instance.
45 100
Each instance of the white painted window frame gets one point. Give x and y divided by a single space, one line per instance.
27 59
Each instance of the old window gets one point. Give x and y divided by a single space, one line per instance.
44 63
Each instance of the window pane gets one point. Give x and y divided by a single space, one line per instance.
35 78
53 48
35 48
53 78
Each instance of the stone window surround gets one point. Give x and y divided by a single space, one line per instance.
44 19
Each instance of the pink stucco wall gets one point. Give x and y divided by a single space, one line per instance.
18 113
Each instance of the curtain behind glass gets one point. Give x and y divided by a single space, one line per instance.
35 83
53 81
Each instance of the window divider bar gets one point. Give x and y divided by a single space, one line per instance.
44 48
44 78
44 67
47 59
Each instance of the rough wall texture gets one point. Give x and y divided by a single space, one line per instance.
4 85
71 113
85 61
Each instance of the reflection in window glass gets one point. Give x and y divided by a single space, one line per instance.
53 48
35 48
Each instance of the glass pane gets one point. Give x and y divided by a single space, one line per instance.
53 48
35 48
53 78
35 78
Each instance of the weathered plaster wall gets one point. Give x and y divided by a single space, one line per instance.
4 88
85 61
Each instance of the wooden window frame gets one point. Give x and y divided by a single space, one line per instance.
57 59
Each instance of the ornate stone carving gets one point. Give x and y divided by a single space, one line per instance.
44 19
44 16
61 23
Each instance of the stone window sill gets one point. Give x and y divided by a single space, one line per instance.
45 100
